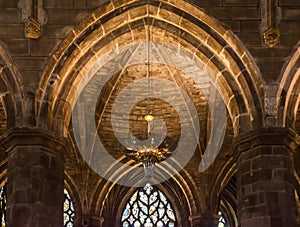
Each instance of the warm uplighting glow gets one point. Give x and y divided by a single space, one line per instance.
156 149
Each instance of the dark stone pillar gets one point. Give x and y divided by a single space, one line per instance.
204 220
265 178
89 221
35 172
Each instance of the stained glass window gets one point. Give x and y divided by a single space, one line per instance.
222 222
148 207
3 205
68 210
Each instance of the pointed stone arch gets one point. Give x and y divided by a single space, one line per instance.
121 23
11 90
118 23
160 201
11 102
109 199
289 90
70 186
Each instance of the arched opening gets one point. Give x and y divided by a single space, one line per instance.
148 206
12 97
11 115
228 204
288 92
110 199
184 27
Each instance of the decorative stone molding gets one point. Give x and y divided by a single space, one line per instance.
266 136
34 16
269 18
32 28
34 137
271 37
288 93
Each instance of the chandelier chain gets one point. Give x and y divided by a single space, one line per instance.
148 57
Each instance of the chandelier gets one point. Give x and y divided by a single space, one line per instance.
149 148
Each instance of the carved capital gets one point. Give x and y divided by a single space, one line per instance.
267 137
33 137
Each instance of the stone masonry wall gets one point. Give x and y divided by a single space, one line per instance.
242 17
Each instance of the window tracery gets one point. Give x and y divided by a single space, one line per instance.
148 207
3 205
68 210
222 221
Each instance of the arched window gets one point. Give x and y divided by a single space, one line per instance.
68 210
148 207
222 222
3 205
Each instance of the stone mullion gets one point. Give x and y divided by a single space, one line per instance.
35 175
265 179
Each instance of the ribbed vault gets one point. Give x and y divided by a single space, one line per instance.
120 24
101 32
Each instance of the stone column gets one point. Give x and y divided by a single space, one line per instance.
35 172
265 178
89 221
204 220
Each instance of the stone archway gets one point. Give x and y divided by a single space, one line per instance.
118 24
109 199
288 108
11 104
288 92
191 28
11 91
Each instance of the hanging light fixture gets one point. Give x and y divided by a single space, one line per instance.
154 149
150 153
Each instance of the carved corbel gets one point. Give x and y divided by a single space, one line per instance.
34 17
271 33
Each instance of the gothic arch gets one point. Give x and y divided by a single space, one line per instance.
70 186
110 199
288 92
119 23
11 90
181 185
11 102
223 179
228 202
